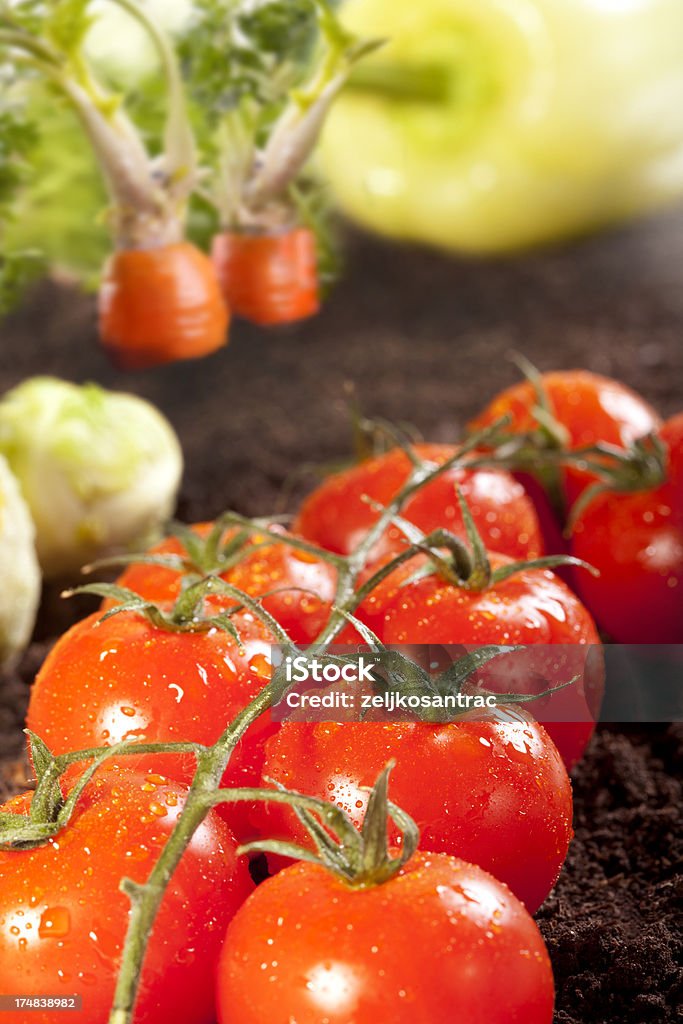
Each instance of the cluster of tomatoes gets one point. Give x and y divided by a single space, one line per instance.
491 791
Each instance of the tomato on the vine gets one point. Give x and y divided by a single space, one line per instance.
636 541
440 941
589 408
63 917
340 512
531 607
125 679
492 789
296 587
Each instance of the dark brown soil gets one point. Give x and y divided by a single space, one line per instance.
613 923
424 339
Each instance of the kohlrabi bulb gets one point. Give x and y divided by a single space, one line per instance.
99 470
19 572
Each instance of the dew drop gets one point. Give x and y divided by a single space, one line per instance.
55 923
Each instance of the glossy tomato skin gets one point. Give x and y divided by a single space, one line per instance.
63 918
636 541
492 790
336 516
590 407
532 607
442 941
300 588
551 522
124 679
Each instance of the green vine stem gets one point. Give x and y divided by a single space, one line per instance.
146 899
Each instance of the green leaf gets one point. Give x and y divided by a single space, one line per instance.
41 756
47 799
67 24
454 677
245 48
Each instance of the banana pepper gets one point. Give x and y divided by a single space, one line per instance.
492 125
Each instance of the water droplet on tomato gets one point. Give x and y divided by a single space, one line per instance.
55 923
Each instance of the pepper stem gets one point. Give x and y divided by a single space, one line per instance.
402 81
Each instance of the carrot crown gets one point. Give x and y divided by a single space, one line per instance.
149 192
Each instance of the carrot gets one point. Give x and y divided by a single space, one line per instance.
159 298
159 305
268 278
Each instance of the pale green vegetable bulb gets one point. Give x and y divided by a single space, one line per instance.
19 572
99 470
489 125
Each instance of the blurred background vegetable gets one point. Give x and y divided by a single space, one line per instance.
159 299
261 78
59 209
481 126
265 79
16 139
20 591
99 470
490 125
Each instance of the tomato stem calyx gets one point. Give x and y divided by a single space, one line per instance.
641 467
190 612
546 449
465 565
362 859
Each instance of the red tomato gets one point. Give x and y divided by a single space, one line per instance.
441 941
63 918
306 588
550 521
636 541
303 586
492 790
336 516
532 607
591 408
126 680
